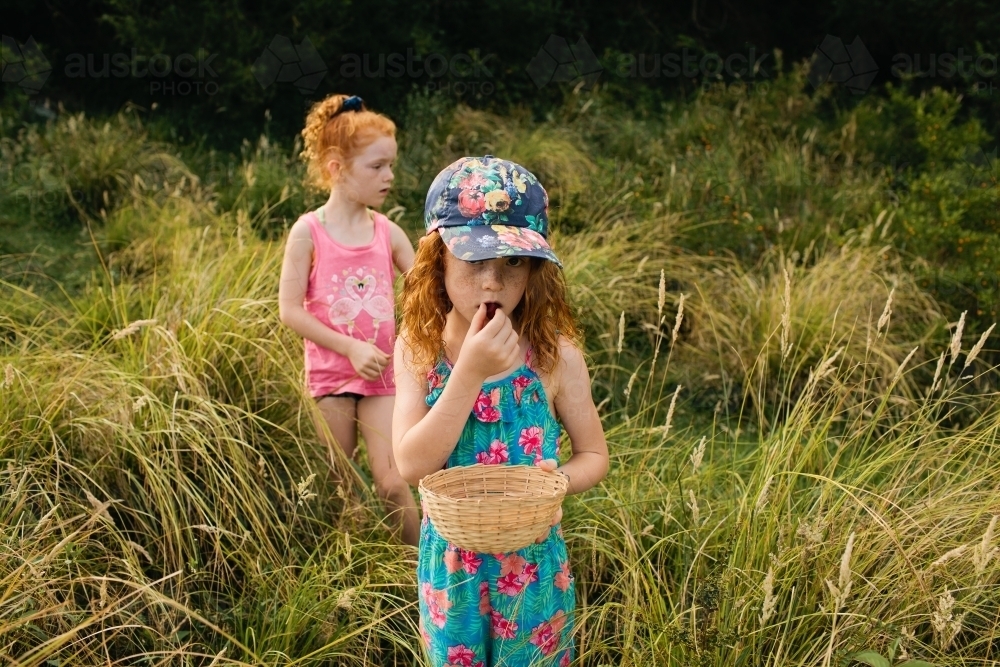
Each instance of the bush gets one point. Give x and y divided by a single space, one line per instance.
73 168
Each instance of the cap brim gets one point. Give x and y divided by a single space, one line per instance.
479 242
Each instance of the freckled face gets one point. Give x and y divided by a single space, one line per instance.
501 281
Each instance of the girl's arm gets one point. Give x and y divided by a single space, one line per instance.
423 438
575 408
402 249
368 360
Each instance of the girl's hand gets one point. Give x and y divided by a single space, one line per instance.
550 465
368 360
490 347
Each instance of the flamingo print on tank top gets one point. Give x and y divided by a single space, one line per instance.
358 292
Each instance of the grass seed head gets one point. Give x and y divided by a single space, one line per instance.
131 329
956 339
770 599
811 532
786 317
346 599
693 506
218 657
978 347
698 454
628 387
304 491
621 331
906 639
842 589
883 319
99 507
944 621
844 580
983 554
138 548
762 496
906 360
937 371
670 411
661 294
677 320
951 554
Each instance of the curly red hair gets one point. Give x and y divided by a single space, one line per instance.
543 314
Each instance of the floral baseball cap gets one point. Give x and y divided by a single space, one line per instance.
486 207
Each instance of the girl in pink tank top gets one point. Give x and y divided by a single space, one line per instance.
350 291
336 291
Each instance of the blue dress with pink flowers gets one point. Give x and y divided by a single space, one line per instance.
513 609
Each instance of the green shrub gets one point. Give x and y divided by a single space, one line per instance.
75 168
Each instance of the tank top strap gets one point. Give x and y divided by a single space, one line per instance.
383 232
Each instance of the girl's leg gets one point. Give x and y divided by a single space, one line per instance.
339 414
533 606
454 603
375 419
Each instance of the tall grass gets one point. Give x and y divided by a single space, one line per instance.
804 452
166 496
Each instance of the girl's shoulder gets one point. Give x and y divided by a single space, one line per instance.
421 377
569 361
301 229
395 232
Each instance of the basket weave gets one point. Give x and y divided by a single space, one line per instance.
492 508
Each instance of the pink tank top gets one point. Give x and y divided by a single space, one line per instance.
351 291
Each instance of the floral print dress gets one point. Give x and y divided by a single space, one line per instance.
513 609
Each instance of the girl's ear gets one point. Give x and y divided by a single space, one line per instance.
333 168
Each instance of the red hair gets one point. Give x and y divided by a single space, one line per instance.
543 314
329 135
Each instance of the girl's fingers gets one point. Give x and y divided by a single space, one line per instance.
557 517
478 319
511 338
548 465
504 321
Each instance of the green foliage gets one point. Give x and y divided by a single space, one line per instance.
267 186
74 168
821 488
942 177
875 659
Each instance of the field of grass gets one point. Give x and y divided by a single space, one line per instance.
805 440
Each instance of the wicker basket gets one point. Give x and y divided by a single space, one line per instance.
492 508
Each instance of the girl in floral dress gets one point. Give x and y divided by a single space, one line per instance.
487 365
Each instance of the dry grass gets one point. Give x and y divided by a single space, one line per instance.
165 499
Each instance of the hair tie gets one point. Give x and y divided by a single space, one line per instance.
352 103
